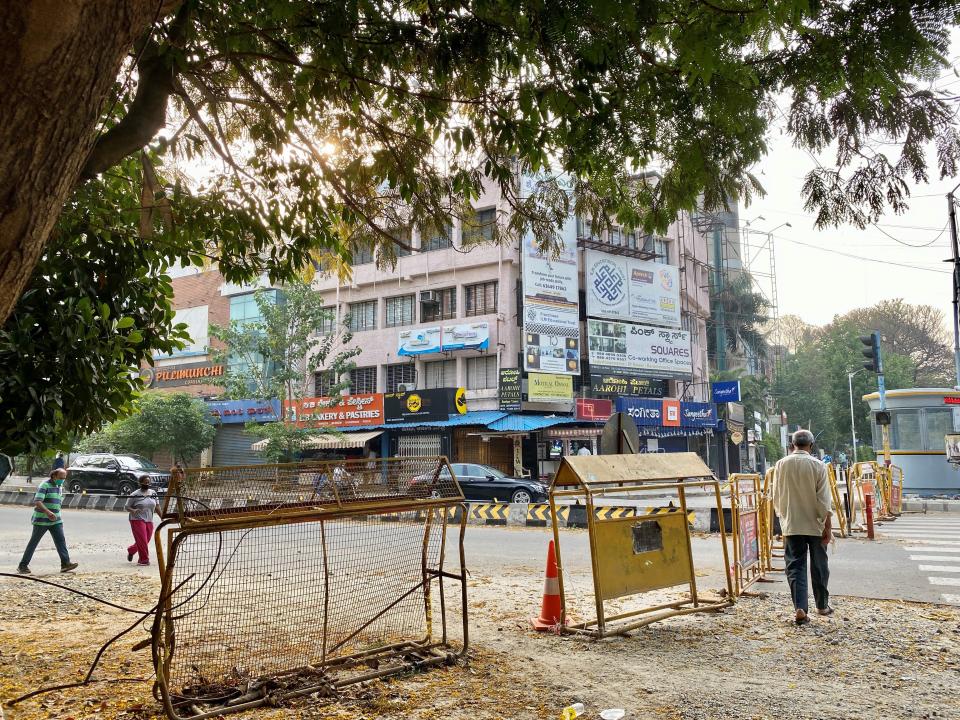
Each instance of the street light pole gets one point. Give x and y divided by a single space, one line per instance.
952 213
853 426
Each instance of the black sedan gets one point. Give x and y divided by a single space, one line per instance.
119 474
482 482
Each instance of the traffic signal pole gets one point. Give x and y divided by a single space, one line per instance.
952 210
875 364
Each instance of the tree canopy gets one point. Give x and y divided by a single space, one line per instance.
258 134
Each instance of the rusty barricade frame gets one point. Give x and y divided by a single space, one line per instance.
867 479
746 498
588 478
769 547
196 505
837 500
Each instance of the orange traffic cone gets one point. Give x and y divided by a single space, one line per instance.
550 608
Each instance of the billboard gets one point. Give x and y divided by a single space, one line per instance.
419 341
510 389
433 405
471 336
549 388
551 306
627 386
349 411
622 288
627 349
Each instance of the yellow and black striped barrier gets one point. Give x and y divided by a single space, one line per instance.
691 515
538 514
491 513
614 512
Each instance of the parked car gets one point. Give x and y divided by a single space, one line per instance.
482 482
120 474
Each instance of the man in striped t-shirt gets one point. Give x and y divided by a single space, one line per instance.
46 518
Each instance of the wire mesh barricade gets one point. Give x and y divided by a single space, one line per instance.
770 547
633 555
287 580
746 503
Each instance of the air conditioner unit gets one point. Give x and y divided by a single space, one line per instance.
406 387
429 296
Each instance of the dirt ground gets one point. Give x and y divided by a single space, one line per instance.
871 660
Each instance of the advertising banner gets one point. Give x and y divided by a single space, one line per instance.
749 539
695 414
593 409
543 387
419 341
622 288
643 411
434 405
348 411
510 388
241 411
198 373
472 336
551 306
623 385
625 349
726 391
671 413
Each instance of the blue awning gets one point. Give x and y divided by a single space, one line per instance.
477 417
528 423
669 432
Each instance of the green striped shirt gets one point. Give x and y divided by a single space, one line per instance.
51 495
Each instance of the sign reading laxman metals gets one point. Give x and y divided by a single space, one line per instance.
623 288
349 411
625 349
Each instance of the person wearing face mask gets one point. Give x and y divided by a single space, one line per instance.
46 518
141 506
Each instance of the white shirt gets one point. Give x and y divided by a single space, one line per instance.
801 494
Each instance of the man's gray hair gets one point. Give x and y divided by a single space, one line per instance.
803 438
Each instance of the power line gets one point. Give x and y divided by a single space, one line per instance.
860 257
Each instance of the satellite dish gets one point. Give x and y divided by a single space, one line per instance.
620 436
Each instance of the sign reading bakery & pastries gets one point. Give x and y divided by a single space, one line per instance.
347 411
199 373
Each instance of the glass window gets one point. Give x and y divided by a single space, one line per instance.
400 311
939 422
328 322
440 374
432 238
401 248
479 227
616 236
363 315
324 383
442 307
658 246
362 255
905 430
363 380
631 239
481 372
585 229
244 308
401 374
480 299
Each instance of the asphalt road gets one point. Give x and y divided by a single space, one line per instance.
884 568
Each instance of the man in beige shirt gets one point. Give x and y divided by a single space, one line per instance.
801 497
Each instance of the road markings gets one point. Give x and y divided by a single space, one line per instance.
954 599
933 540
940 568
923 536
931 548
953 545
944 581
936 558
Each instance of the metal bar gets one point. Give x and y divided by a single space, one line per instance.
686 536
556 551
326 590
723 541
594 560
463 581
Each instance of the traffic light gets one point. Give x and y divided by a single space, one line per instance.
872 352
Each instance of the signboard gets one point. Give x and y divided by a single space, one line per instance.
551 306
592 409
419 341
952 442
543 387
671 413
726 391
347 411
695 414
622 288
198 373
627 349
642 410
736 437
228 412
735 412
433 405
471 336
951 400
749 539
510 387
622 385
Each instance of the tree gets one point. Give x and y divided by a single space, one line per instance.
175 422
743 313
794 332
328 127
278 356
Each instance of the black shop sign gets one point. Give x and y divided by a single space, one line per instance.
510 388
433 405
625 386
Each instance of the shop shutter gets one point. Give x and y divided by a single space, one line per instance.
417 445
231 446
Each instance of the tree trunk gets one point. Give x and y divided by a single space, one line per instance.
58 62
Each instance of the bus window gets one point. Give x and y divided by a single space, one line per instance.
939 422
905 430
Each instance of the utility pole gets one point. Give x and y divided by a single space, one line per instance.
853 426
718 273
952 212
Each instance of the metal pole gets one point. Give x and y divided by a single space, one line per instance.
853 427
952 211
721 330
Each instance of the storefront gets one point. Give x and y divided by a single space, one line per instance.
232 443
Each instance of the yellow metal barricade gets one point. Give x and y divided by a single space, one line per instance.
896 489
865 476
769 547
746 502
837 501
630 556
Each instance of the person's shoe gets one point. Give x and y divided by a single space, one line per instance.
825 611
801 618
129 557
23 569
69 566
143 564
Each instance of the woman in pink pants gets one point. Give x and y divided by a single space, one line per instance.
141 506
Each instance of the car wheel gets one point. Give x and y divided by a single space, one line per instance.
126 487
75 487
520 496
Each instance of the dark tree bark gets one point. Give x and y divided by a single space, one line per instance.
58 62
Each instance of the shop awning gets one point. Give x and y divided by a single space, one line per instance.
476 417
331 441
528 423
669 432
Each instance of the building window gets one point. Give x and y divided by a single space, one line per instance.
631 239
480 299
361 255
479 227
585 229
691 324
325 383
244 308
401 245
657 246
400 311
440 374
363 315
432 238
481 372
363 380
616 236
401 374
443 306
328 323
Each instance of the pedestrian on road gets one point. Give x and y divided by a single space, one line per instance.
46 518
141 506
58 461
801 496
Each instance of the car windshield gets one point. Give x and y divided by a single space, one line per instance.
493 471
135 462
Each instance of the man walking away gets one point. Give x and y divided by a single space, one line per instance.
801 497
46 518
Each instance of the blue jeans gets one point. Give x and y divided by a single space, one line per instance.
795 549
56 532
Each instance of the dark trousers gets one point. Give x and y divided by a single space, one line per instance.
795 549
56 532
